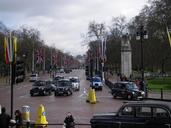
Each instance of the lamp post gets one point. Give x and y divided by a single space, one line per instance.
142 34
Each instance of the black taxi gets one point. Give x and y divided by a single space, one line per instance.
137 114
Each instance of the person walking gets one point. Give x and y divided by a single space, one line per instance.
18 119
69 121
4 119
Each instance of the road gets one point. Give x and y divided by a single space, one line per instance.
57 107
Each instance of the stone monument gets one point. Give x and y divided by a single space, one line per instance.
126 56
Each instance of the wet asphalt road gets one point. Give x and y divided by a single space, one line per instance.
57 107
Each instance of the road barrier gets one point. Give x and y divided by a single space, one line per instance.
91 97
26 113
41 117
159 94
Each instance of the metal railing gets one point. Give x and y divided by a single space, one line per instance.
53 125
160 94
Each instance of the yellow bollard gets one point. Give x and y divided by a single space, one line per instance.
25 113
41 117
93 97
88 96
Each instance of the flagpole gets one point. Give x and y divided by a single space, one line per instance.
102 55
11 74
51 62
11 84
10 49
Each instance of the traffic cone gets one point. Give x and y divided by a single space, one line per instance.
93 96
41 117
88 96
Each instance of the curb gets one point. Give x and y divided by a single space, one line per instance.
167 100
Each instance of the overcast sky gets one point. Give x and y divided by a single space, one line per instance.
61 22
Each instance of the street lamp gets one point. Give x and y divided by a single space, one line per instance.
142 34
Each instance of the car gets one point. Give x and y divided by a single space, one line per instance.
75 83
42 88
34 77
20 78
57 78
61 70
67 70
96 83
52 85
127 90
88 77
139 114
64 87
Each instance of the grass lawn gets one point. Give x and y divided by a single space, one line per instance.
158 83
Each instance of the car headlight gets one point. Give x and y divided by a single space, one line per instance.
133 93
142 93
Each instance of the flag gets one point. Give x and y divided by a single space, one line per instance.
10 49
39 55
55 58
6 51
15 49
104 51
169 36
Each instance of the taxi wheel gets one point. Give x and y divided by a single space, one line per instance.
67 93
31 94
55 94
129 97
114 95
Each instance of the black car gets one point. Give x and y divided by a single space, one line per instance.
145 114
67 70
64 87
57 78
51 84
42 88
127 90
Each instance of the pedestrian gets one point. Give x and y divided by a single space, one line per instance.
137 82
121 77
18 119
118 77
4 119
69 121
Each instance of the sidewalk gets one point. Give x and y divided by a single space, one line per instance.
151 94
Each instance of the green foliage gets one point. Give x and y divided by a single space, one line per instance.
160 82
